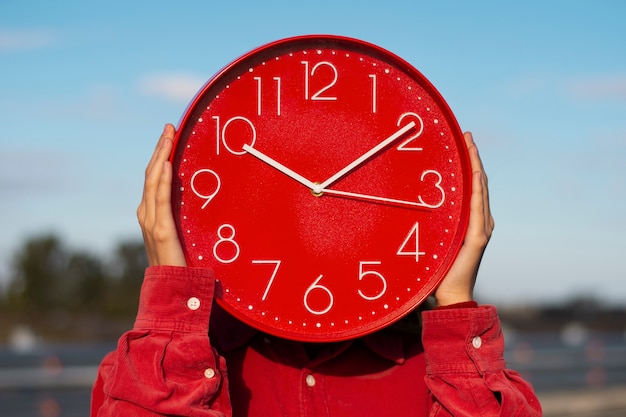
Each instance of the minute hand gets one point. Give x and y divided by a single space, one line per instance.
366 155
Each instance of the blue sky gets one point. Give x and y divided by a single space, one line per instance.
85 89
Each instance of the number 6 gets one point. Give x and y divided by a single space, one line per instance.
317 286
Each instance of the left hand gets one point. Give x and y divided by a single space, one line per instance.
155 211
458 285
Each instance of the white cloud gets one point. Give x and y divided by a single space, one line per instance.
97 102
29 172
173 87
599 87
591 87
19 40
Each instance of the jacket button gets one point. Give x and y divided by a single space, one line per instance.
477 342
193 303
209 373
310 380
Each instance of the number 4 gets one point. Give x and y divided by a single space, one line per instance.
412 236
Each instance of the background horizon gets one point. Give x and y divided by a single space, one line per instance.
86 89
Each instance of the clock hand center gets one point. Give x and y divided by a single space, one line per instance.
360 160
282 168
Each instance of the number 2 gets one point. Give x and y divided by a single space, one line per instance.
404 146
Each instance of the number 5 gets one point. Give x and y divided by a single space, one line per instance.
363 274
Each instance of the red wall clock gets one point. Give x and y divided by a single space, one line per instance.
327 184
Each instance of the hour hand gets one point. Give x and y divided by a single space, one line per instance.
277 165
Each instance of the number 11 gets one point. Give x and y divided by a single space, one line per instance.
259 94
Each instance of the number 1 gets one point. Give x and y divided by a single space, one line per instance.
373 77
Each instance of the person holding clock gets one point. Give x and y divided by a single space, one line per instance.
289 270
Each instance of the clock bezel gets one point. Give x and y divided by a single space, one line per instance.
223 78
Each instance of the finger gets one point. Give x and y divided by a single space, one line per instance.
146 209
475 161
481 220
165 234
477 165
153 172
489 223
164 225
166 135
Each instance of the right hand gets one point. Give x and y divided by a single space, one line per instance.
155 211
458 284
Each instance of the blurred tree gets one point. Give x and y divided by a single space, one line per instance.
86 283
73 294
36 274
127 269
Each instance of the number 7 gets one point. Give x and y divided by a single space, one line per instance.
271 281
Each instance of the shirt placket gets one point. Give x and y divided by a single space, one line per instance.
312 394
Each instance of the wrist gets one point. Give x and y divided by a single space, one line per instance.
443 300
467 304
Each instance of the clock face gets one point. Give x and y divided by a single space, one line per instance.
327 184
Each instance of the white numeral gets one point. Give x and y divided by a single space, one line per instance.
373 77
318 95
363 274
277 79
224 240
317 286
274 272
404 146
437 185
259 94
221 138
210 196
412 236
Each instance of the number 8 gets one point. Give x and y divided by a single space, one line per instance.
226 239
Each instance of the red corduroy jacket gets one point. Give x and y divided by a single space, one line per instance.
168 364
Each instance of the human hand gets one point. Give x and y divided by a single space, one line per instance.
155 211
458 285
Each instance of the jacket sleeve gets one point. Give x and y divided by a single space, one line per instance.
166 365
465 368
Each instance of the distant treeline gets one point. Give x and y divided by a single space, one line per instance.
52 288
64 294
